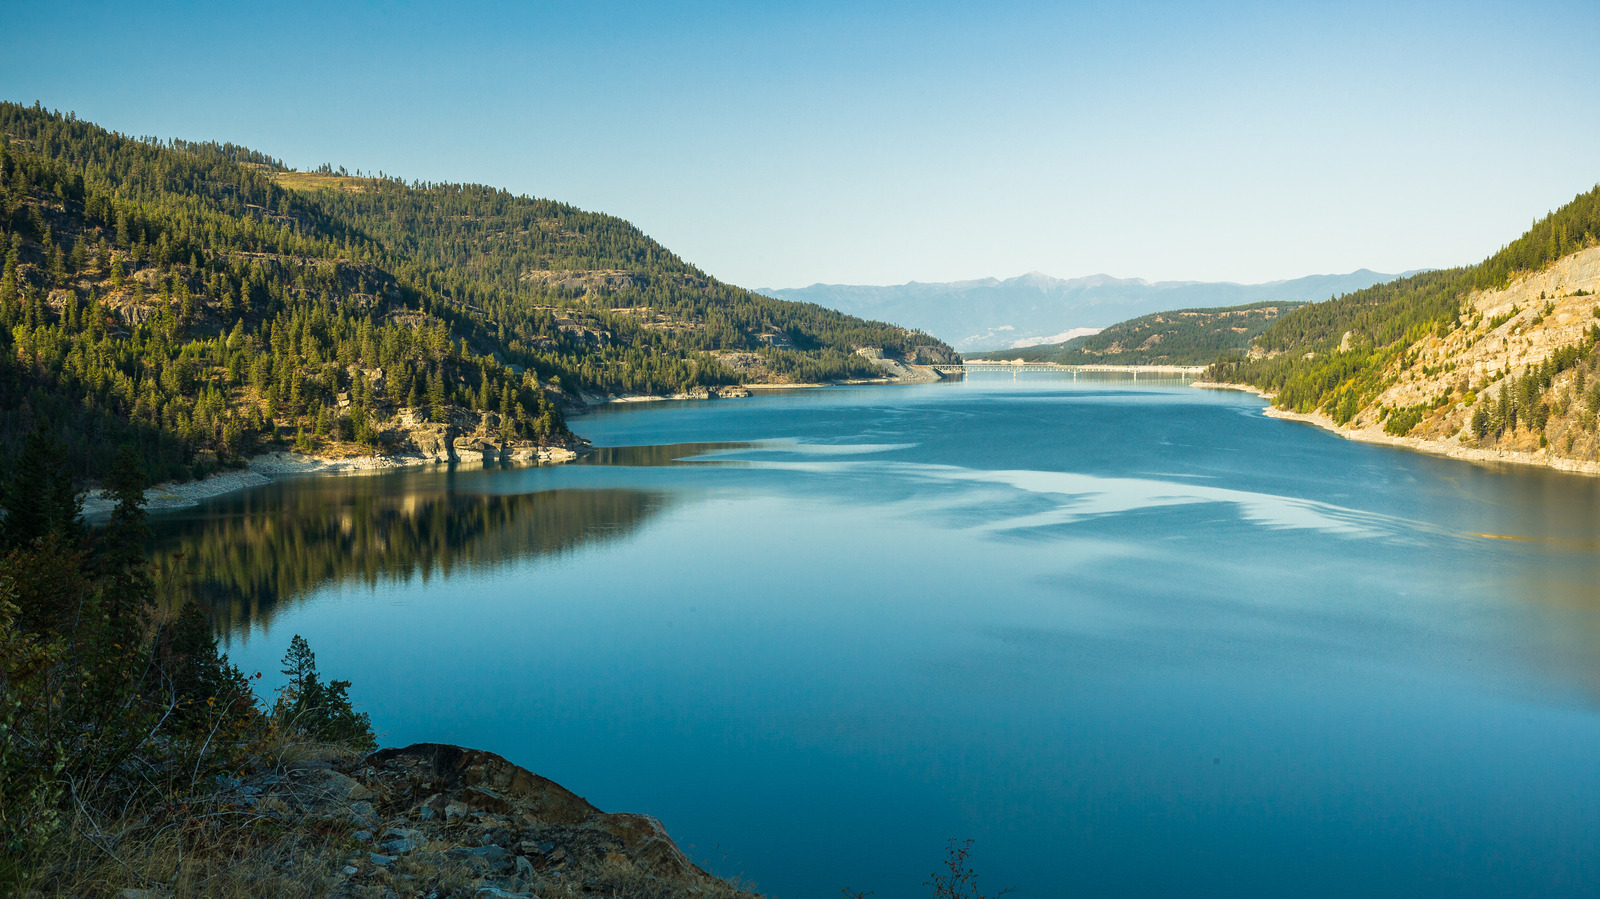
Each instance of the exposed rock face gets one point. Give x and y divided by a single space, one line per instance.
1502 335
467 437
438 819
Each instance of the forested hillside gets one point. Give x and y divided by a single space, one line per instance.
1496 355
202 301
1179 337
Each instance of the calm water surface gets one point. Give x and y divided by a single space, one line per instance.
1131 638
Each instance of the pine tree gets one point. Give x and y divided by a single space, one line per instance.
322 710
39 499
436 397
128 589
10 289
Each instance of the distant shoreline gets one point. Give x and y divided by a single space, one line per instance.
995 365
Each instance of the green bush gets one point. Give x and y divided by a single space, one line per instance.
1402 421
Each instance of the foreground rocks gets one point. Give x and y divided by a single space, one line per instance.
437 821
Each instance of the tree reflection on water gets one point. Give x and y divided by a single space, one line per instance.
248 556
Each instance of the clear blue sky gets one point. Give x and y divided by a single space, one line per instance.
782 144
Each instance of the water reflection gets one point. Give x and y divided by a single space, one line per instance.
655 456
251 556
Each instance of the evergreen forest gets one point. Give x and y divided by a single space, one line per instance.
201 302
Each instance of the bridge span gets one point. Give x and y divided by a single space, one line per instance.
1135 370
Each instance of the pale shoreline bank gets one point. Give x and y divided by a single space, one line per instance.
1447 448
268 467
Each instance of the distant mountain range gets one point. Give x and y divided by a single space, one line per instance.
990 314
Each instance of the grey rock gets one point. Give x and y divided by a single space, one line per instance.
349 869
397 840
382 861
491 857
431 808
309 765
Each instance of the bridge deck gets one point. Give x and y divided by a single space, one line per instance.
1135 370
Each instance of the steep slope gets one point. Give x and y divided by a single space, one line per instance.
1491 361
991 314
203 302
1179 337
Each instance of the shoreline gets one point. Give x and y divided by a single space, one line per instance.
1223 385
920 374
270 466
267 467
1446 449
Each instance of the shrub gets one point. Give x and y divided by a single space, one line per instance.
957 880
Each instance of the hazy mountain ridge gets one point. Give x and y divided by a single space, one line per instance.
991 313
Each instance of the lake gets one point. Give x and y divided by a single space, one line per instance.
1130 637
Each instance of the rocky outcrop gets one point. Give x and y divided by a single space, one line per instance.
466 437
435 819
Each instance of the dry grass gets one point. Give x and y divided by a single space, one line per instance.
191 851
319 181
200 842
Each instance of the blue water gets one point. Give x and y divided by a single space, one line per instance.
1132 638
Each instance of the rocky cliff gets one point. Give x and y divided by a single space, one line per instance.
1516 380
437 821
468 436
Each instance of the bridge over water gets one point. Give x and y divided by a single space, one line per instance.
1163 371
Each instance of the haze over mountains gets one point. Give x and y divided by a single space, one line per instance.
991 314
